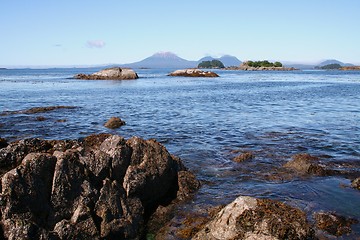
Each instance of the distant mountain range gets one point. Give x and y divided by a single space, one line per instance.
163 60
227 60
321 64
171 60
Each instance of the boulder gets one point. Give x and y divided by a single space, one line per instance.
251 218
193 72
100 187
114 122
114 73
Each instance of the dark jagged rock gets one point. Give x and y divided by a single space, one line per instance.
13 154
100 187
193 72
114 122
3 143
251 218
114 73
334 224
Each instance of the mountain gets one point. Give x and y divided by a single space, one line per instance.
227 60
230 61
163 60
334 61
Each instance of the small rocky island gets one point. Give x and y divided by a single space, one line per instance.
350 68
115 73
262 66
192 72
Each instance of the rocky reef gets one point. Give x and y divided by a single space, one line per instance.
99 187
193 72
114 73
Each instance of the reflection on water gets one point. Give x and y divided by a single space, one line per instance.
274 115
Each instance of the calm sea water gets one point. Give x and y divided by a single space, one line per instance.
273 114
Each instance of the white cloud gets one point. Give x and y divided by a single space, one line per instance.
95 44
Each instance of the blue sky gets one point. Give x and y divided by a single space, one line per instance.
40 33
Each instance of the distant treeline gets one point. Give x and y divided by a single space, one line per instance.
264 63
211 64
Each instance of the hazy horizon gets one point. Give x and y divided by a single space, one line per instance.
65 33
125 63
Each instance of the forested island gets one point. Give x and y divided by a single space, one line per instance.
211 64
333 66
264 65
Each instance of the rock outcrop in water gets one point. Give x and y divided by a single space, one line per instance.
251 218
102 187
114 122
193 72
114 73
304 163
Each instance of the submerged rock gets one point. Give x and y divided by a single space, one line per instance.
114 122
243 157
251 218
36 110
193 72
114 73
334 224
102 187
304 163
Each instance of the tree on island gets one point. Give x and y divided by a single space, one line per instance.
211 64
264 63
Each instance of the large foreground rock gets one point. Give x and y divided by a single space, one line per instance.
193 72
102 187
251 218
114 73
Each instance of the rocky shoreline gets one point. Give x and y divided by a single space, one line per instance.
351 68
102 186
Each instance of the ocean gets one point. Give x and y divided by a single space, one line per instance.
207 122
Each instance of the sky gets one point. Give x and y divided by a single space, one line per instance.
89 32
